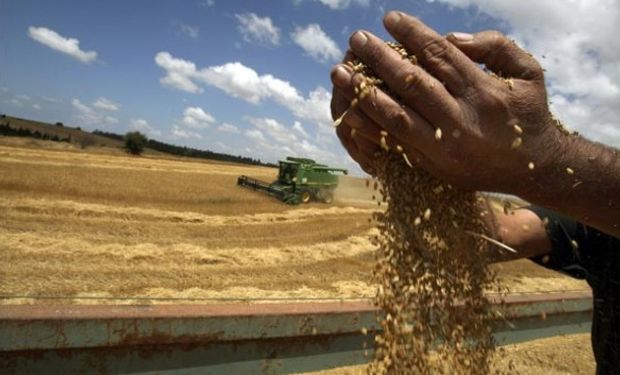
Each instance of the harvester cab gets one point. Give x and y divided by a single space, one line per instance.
300 180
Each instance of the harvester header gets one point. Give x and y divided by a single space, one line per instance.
300 180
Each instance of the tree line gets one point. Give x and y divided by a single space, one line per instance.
6 129
168 148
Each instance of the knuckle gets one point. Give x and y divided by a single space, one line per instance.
435 50
497 38
407 78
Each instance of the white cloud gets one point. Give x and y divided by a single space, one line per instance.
94 115
69 46
344 4
228 128
300 129
222 146
106 104
23 97
196 117
143 126
181 133
316 43
86 114
258 29
243 82
36 106
179 72
191 31
256 135
578 42
274 140
278 132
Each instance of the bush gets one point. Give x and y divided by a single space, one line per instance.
59 124
135 142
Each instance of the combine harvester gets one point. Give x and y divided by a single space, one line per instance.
299 180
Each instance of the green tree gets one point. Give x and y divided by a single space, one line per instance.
135 142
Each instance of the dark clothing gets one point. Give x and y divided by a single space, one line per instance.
586 253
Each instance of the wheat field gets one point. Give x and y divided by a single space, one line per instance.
77 224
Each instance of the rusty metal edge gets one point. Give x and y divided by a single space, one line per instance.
29 327
89 312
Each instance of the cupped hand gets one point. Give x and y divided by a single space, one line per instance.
477 129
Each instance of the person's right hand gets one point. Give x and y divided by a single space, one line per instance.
476 112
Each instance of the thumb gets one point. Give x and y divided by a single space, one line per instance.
499 54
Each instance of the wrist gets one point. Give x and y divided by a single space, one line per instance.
552 155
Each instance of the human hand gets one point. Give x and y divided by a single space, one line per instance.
481 117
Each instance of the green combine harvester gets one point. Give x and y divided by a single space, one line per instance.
299 180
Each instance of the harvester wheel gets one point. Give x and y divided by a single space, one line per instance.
305 197
327 197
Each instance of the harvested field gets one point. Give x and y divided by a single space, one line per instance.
100 223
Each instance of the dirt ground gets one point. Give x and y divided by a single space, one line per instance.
78 224
561 355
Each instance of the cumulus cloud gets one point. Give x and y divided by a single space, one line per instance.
69 46
344 4
273 140
36 106
106 104
300 129
196 117
256 135
228 128
316 43
142 125
179 72
95 113
576 44
240 81
258 29
276 130
183 133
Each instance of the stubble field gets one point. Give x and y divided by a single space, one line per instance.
78 224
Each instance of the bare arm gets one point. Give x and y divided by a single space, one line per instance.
583 182
521 230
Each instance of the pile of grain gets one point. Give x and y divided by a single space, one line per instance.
431 267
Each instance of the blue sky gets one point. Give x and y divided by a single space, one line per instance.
244 77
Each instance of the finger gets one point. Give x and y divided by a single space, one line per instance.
435 53
403 124
419 89
499 54
346 134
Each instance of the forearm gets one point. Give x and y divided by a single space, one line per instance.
583 182
521 230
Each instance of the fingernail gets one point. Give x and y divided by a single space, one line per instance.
392 18
358 40
461 37
341 76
